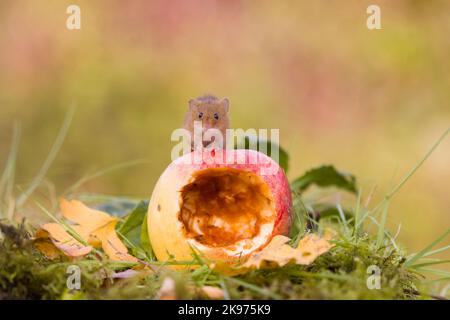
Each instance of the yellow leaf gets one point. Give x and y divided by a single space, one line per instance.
41 234
64 241
97 236
279 253
47 248
112 245
95 227
276 251
90 219
310 247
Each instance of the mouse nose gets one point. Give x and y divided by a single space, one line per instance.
208 123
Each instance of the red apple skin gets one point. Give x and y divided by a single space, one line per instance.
163 225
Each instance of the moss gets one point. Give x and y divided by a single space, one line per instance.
339 274
26 274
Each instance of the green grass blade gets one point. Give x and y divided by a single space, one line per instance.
226 294
418 165
262 291
65 225
7 180
437 272
445 248
357 214
343 219
8 173
412 171
382 225
386 233
103 172
431 263
99 197
426 250
50 158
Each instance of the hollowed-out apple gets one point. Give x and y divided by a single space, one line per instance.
225 209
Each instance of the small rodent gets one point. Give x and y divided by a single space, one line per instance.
212 112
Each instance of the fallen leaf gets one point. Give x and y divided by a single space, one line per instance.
279 253
276 251
310 247
113 246
79 213
63 240
95 227
48 249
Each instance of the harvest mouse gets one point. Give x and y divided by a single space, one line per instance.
211 111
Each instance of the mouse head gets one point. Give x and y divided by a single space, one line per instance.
210 110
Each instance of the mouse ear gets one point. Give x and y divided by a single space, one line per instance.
191 104
225 103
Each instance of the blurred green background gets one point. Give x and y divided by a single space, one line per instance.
369 102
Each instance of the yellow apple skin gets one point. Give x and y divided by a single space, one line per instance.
165 229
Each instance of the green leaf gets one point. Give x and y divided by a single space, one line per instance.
265 146
300 221
331 210
325 176
134 232
131 227
145 241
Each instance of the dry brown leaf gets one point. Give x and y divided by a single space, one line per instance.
279 253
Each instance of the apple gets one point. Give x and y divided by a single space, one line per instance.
224 203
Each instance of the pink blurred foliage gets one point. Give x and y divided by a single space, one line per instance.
30 49
321 91
164 23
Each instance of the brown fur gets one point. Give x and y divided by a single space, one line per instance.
208 105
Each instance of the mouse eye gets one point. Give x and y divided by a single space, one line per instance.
216 116
200 115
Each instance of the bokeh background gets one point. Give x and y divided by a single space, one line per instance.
370 102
